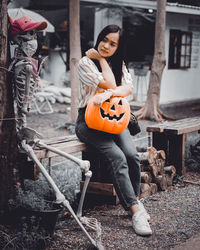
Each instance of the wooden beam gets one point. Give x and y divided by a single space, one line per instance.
68 147
100 188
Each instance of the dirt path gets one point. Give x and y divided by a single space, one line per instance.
193 243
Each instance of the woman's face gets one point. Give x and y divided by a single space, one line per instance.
108 46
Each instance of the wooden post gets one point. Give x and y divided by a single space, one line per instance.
177 152
75 53
160 141
7 124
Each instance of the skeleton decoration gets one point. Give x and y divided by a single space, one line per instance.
23 33
24 38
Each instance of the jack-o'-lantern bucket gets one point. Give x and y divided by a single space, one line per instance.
112 116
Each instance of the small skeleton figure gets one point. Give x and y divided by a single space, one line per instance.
23 33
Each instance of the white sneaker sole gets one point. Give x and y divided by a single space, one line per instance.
143 233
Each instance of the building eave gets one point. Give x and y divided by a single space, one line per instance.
145 4
182 9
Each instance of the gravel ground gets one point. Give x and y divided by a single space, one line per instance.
175 217
175 213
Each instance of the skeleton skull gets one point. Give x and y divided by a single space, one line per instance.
27 42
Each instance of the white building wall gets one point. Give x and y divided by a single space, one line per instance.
105 17
55 69
182 84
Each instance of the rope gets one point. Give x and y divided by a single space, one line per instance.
6 69
7 119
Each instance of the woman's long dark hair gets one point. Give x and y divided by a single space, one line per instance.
117 59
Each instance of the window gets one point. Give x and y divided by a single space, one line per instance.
180 48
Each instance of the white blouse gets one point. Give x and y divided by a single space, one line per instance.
89 77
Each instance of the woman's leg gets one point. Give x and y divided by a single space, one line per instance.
125 142
118 169
117 163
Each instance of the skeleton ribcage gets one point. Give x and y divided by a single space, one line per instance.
22 96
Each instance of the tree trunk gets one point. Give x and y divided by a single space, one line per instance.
151 110
75 54
7 123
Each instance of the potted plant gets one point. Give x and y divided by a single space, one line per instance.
34 204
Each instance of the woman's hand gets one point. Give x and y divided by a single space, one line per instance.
93 54
108 81
99 99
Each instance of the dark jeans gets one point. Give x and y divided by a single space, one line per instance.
121 155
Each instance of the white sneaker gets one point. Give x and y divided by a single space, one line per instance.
140 224
142 208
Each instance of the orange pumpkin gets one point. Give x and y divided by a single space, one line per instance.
112 117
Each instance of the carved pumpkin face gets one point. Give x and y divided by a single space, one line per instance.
112 117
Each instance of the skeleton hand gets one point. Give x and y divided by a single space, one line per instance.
28 134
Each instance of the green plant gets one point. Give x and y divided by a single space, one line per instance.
36 195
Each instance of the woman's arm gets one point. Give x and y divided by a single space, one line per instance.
108 76
108 83
123 90
126 86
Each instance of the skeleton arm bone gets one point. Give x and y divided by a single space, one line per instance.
84 165
28 149
88 175
29 70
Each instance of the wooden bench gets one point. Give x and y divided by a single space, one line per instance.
170 136
71 144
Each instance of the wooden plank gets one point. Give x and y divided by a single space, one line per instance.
60 139
181 126
156 128
180 131
68 147
100 188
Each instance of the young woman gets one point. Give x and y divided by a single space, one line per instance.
103 69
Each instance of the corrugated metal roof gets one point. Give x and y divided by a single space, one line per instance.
183 6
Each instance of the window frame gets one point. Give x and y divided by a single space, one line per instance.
180 49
